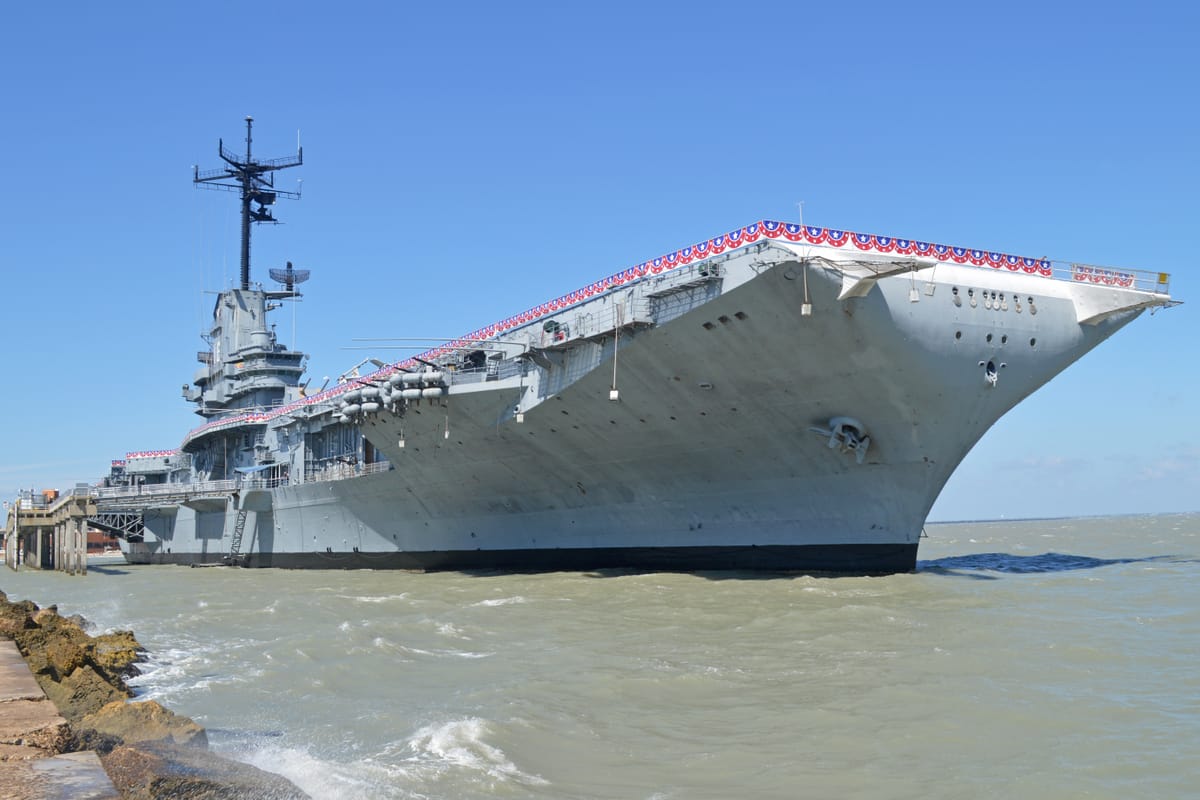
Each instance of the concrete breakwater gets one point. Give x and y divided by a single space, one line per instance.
146 750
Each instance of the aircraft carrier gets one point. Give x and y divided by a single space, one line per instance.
778 397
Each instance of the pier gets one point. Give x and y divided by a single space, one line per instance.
31 733
49 531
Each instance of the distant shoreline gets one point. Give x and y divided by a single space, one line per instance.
1060 517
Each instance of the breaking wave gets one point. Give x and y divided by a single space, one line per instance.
459 745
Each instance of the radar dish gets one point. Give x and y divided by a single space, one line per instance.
289 277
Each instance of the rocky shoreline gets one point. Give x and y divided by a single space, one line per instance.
148 751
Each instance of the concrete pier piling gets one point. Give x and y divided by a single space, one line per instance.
50 534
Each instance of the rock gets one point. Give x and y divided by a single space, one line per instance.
80 622
144 722
15 617
116 655
80 674
148 751
60 656
88 739
53 646
131 769
47 616
150 772
82 692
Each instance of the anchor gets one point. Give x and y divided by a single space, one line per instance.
847 435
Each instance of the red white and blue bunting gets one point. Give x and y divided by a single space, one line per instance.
149 454
1107 277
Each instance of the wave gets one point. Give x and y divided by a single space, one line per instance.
458 745
381 598
502 601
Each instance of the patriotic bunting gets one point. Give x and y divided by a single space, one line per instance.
1106 277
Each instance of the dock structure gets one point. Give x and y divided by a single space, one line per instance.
49 531
31 733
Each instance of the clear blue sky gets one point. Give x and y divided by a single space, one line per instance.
465 161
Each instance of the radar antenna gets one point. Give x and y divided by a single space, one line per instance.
289 278
256 184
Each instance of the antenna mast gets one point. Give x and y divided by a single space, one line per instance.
255 181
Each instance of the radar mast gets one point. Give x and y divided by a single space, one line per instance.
255 181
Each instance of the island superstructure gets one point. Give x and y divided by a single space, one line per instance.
780 396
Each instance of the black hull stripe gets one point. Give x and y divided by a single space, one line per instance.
855 559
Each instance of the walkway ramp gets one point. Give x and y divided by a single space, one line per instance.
30 729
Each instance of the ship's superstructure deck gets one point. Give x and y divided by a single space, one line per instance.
691 266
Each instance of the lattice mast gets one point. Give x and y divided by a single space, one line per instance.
255 181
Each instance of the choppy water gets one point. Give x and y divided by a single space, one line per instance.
1036 659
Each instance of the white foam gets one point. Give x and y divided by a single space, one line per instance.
502 601
317 777
433 759
459 744
448 629
383 598
437 653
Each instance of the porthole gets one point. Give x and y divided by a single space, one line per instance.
958 334
1004 339
989 337
1033 342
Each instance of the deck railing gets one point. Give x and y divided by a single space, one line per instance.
1138 279
152 490
340 471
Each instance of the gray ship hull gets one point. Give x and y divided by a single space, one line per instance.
721 451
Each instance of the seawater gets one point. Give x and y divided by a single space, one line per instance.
1032 659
